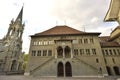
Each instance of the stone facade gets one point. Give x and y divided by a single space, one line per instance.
11 55
66 52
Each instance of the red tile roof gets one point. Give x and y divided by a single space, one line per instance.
104 38
109 44
61 30
104 42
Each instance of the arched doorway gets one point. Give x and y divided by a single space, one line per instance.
67 52
68 70
60 70
20 66
14 65
60 52
109 70
116 70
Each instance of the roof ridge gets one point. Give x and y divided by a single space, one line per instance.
60 29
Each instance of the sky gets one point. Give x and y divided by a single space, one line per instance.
40 15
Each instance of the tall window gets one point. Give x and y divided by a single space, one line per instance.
50 42
44 52
35 42
110 52
113 60
103 52
85 40
39 53
94 51
75 41
105 60
97 61
60 52
118 51
81 51
33 53
87 52
49 52
80 41
91 40
40 43
76 52
106 52
45 42
0 66
114 51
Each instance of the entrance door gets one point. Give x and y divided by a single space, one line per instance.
109 70
60 70
68 70
116 70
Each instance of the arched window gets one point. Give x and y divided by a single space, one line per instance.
67 52
60 52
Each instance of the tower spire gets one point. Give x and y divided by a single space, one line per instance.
19 17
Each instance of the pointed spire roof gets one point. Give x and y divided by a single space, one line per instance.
19 17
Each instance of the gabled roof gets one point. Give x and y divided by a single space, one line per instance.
61 30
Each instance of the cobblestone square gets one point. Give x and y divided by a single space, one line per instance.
22 77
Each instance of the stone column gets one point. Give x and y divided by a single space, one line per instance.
55 54
71 53
64 69
63 52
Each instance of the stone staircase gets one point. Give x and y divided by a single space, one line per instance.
86 63
41 65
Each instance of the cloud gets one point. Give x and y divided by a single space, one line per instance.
40 15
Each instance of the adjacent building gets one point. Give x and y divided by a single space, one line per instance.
63 51
11 55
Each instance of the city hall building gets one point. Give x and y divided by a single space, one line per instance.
63 51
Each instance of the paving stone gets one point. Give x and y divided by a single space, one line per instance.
21 77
